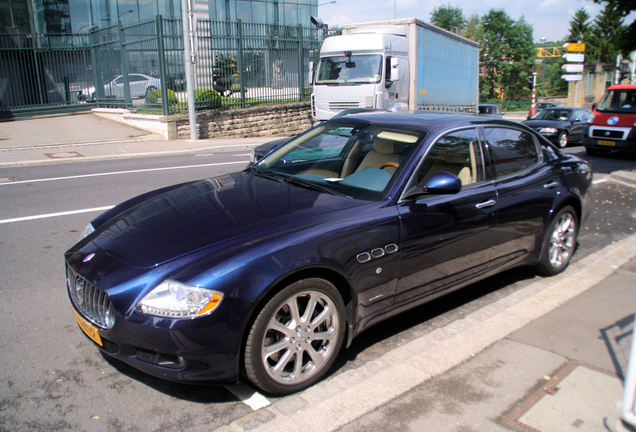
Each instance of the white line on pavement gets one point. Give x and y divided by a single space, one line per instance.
248 396
50 215
123 172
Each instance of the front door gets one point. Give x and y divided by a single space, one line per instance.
445 238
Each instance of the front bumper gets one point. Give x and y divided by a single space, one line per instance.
184 355
202 350
608 144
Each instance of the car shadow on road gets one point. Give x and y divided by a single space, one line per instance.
420 319
205 394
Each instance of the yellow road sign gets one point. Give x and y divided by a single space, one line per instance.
574 47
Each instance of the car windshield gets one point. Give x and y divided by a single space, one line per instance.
345 157
352 69
618 101
552 114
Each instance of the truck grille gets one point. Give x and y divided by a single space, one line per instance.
93 303
616 133
343 105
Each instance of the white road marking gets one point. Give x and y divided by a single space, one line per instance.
123 172
248 396
50 215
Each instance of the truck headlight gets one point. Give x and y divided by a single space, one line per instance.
172 299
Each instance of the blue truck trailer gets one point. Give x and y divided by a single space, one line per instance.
402 64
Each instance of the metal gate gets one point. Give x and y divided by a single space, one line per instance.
43 71
140 67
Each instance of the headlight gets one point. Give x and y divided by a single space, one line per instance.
89 229
548 130
172 299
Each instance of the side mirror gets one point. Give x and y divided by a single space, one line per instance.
395 69
441 183
594 106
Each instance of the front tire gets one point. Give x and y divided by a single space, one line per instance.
559 242
563 140
296 337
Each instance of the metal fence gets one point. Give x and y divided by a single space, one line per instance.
38 71
141 67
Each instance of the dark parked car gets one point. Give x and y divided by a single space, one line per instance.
540 106
490 109
561 125
267 273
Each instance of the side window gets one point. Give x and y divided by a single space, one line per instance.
458 153
511 150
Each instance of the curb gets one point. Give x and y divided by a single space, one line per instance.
343 398
626 177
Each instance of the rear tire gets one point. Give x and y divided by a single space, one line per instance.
559 242
296 337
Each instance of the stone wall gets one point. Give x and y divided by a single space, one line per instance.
268 120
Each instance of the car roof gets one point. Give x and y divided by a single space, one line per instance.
426 121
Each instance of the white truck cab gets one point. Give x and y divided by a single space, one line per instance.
361 70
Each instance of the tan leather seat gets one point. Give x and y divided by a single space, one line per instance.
385 154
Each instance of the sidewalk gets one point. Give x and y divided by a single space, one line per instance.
86 137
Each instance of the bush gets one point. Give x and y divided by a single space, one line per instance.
207 98
153 96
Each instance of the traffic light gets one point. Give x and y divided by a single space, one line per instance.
531 81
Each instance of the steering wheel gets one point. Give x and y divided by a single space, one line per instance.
390 164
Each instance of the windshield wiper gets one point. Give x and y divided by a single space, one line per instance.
288 178
311 185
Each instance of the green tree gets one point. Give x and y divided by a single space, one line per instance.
580 26
507 56
582 31
607 35
473 29
449 18
624 7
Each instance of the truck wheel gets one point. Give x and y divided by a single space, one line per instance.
296 337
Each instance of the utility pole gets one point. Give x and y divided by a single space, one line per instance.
189 59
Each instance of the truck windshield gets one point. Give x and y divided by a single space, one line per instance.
618 101
354 69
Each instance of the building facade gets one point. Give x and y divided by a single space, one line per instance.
76 16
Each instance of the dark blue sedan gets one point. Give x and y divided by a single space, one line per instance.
268 272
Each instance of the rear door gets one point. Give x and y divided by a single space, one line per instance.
527 186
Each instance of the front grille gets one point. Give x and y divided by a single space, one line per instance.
343 105
601 133
93 303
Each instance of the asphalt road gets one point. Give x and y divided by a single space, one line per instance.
53 378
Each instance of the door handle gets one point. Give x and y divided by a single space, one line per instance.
550 185
485 204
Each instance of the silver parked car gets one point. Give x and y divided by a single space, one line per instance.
139 84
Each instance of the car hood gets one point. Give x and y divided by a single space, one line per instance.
219 212
559 124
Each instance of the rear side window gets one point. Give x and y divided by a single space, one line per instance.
511 151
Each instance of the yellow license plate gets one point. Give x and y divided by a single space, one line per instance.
90 331
607 143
